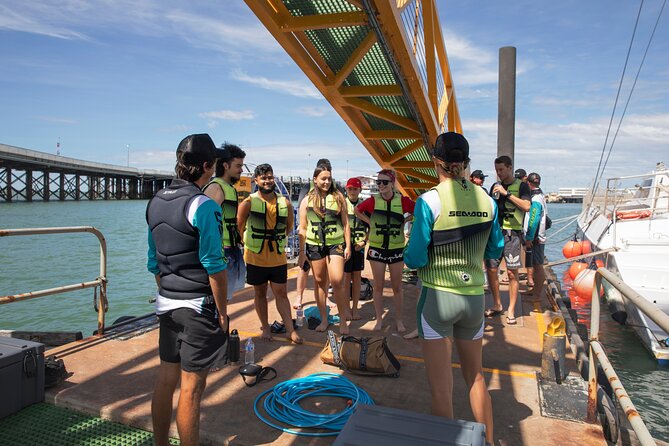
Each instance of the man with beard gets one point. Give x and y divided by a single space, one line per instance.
229 165
266 219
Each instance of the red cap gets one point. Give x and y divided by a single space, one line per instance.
354 182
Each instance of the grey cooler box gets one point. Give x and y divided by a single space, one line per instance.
21 374
385 426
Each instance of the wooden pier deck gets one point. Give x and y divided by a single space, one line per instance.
114 378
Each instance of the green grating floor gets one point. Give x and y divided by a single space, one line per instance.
44 424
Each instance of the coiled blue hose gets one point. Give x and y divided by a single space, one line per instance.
283 403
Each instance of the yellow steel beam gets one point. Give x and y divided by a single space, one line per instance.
405 151
356 3
382 113
406 164
354 59
391 134
419 175
370 90
338 20
420 185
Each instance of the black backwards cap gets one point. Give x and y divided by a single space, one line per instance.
197 149
451 147
478 174
534 178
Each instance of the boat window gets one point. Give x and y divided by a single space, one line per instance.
643 189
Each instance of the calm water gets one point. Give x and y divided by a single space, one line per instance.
31 263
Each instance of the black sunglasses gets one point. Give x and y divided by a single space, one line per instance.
384 182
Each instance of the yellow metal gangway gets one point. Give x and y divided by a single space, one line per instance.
382 65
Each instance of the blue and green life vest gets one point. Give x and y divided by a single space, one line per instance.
387 220
327 230
256 225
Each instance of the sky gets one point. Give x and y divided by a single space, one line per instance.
123 81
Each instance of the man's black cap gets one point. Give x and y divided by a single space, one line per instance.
451 147
534 178
478 174
520 173
197 149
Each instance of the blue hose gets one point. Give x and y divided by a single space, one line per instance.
282 403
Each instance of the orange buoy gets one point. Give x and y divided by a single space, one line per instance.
586 247
571 249
599 263
584 283
567 281
576 268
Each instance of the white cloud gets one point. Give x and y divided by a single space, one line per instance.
293 88
316 112
214 117
33 22
56 120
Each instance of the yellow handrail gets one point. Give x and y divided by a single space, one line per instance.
100 281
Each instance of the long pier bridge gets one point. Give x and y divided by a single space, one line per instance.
29 175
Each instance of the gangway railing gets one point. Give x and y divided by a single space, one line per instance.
597 355
100 281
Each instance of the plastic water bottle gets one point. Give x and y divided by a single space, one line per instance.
250 351
299 316
495 194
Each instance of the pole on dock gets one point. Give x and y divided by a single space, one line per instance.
506 111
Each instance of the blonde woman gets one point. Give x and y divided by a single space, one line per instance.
324 232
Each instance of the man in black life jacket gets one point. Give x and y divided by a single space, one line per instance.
186 258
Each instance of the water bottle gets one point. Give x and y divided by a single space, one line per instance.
250 352
495 194
299 316
233 346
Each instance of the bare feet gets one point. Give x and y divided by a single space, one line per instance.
322 327
343 328
295 338
355 315
412 335
378 325
266 334
400 327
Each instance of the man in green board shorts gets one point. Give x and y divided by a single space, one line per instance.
454 228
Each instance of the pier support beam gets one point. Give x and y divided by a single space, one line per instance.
506 120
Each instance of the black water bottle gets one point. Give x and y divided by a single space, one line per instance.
233 346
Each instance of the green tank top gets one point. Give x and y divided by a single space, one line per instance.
327 230
256 225
229 231
385 231
459 237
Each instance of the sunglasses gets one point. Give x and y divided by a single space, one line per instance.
384 182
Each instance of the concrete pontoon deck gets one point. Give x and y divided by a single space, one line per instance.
114 378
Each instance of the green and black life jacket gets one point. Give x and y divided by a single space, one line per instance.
358 227
256 225
229 231
387 221
459 237
512 217
327 230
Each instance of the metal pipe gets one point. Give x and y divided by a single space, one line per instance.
582 256
101 280
640 429
506 107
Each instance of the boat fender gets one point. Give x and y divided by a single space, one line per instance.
632 215
608 416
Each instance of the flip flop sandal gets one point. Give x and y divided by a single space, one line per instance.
277 327
490 312
511 320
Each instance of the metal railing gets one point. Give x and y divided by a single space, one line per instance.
100 281
598 355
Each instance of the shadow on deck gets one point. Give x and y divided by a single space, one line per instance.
114 379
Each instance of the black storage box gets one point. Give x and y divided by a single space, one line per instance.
376 425
21 374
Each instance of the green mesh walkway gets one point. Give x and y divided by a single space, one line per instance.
44 424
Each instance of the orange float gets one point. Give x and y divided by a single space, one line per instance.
586 247
571 249
632 215
584 283
599 263
576 268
